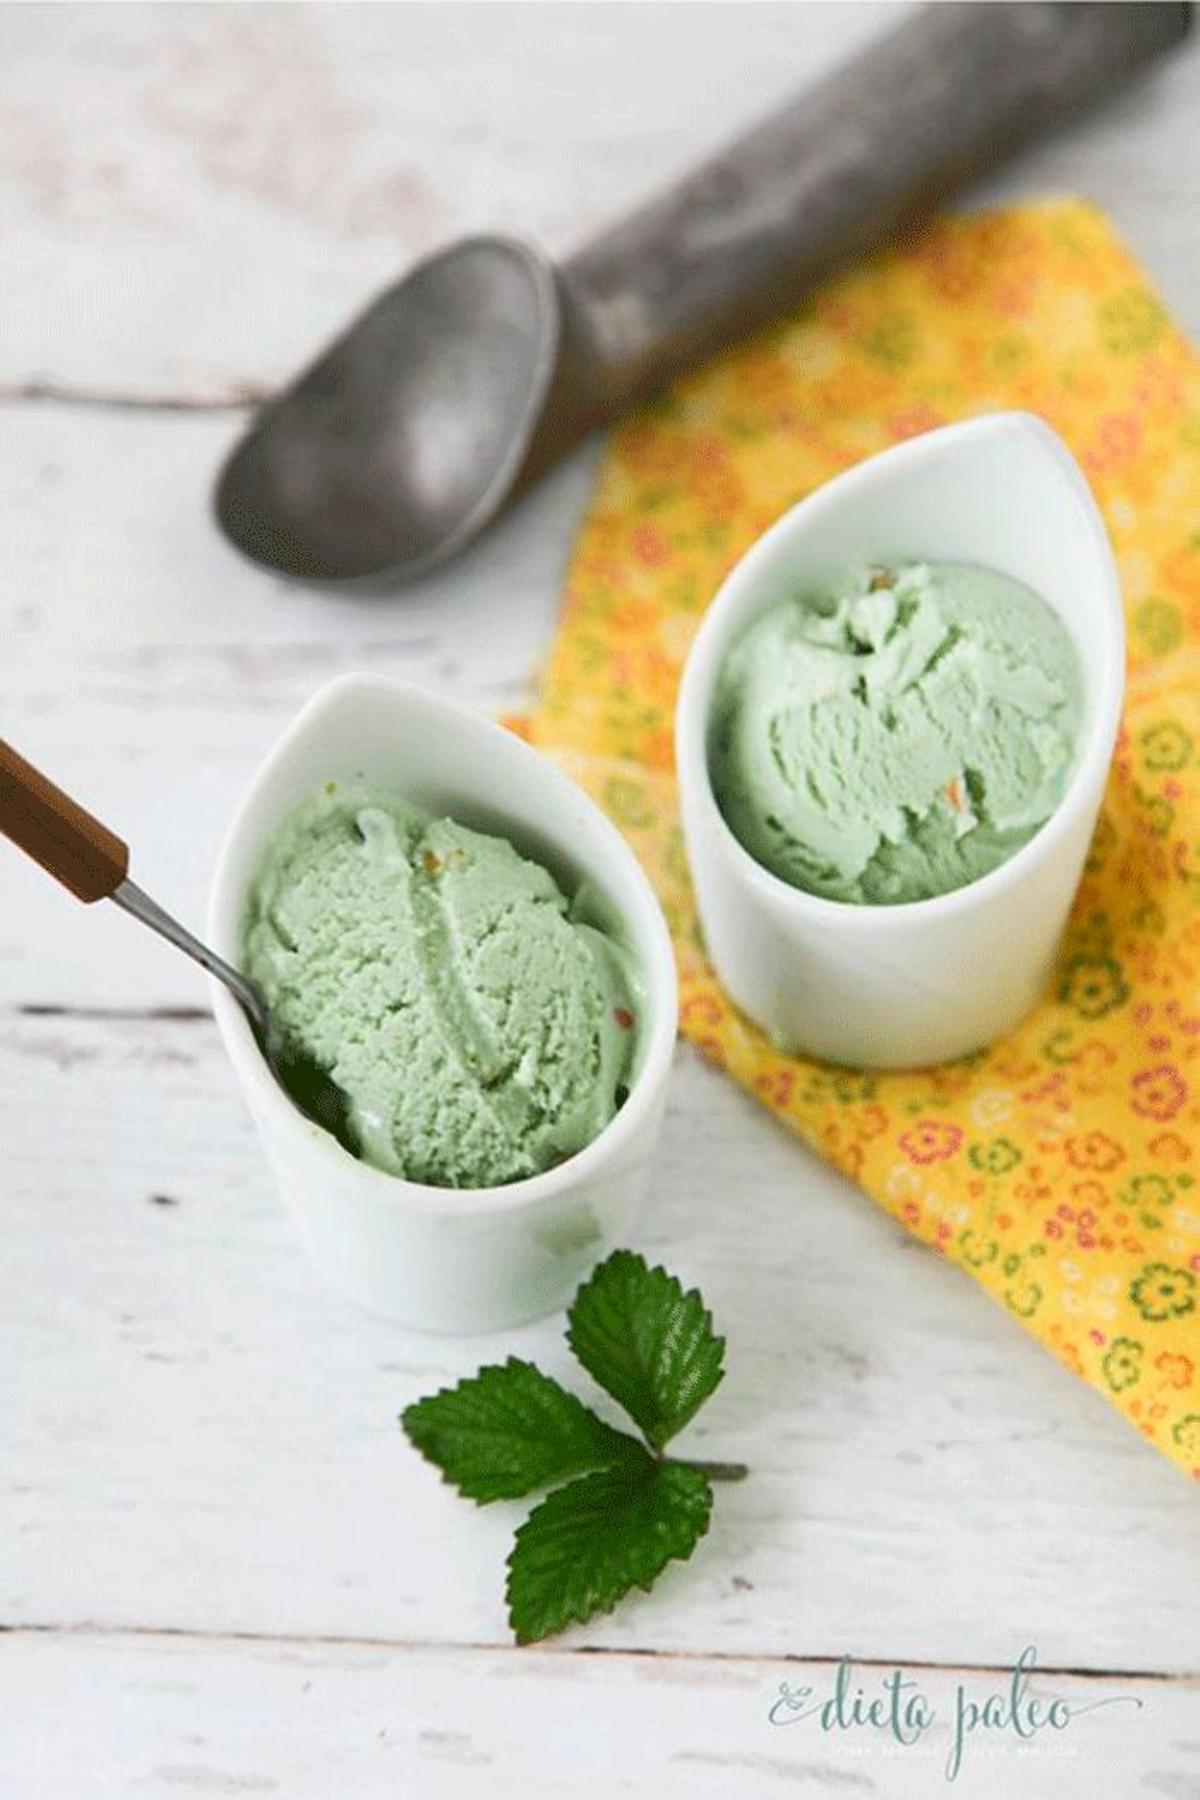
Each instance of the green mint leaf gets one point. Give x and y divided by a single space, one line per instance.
648 1344
590 1542
510 1429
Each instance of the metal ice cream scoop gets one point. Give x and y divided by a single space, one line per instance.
465 380
93 864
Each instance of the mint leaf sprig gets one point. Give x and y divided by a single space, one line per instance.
626 1510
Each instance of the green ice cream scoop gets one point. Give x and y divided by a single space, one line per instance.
480 1023
896 734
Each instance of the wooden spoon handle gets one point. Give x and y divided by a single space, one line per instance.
56 831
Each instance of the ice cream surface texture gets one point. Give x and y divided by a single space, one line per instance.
480 1023
896 733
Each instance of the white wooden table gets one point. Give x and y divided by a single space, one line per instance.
222 1572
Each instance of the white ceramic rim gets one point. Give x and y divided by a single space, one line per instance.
658 972
736 595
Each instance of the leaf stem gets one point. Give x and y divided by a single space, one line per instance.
716 1471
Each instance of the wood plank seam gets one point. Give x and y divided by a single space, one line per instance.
421 1646
244 396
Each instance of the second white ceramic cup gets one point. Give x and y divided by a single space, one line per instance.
901 986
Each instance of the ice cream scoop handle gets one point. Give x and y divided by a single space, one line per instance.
57 832
916 114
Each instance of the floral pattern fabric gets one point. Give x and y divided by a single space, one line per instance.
1059 1167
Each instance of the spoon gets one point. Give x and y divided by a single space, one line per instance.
93 863
471 375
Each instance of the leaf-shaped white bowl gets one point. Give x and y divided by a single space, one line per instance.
900 986
445 1259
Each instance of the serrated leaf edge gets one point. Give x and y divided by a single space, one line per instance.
623 1441
684 1296
577 1615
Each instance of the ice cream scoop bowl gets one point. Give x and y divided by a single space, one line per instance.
896 986
437 1258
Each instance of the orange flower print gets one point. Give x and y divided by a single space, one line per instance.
931 1141
1090 1193
701 1009
914 420
1177 1371
711 478
1116 443
1169 1146
650 545
873 1122
1159 1093
776 1086
658 750
1094 1150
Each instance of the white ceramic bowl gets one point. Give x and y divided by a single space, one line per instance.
436 1258
901 986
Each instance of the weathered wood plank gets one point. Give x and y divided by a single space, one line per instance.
90 1717
199 1436
195 198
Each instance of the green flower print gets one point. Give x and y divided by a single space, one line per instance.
1148 919
1158 626
1158 811
892 341
1132 320
1104 841
1091 935
1024 1299
978 1250
592 653
996 1158
628 802
1162 1292
1186 1432
845 1086
1093 985
1147 1195
1008 353
1166 747
1059 1047
1123 1364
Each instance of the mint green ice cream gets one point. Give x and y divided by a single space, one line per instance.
481 1025
896 734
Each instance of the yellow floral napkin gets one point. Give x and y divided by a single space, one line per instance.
1058 1168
